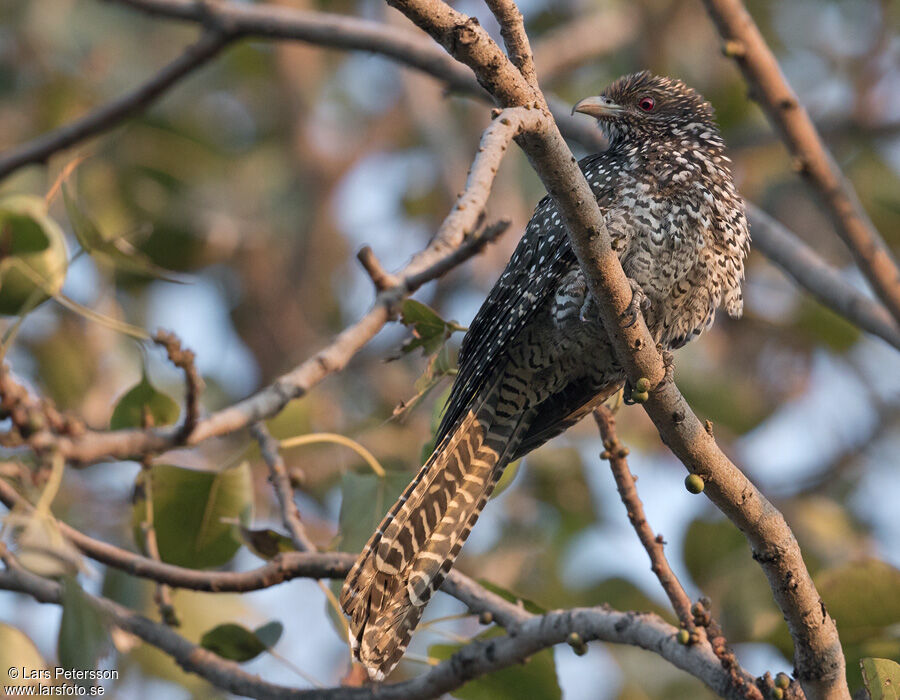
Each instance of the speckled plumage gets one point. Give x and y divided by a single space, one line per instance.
536 358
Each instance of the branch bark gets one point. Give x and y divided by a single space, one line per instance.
745 43
284 491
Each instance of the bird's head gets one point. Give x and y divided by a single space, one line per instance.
645 106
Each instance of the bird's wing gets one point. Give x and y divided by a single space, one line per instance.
532 276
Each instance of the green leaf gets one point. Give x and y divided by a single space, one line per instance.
42 549
535 680
862 595
265 543
430 331
33 259
506 478
129 410
721 564
337 620
269 633
193 511
707 544
821 325
881 678
20 234
365 498
83 634
233 641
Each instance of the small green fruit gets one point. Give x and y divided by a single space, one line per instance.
642 385
683 636
777 693
694 483
578 645
33 258
639 396
782 680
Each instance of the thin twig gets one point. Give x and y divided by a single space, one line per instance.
512 29
616 453
281 482
746 45
381 278
185 361
700 626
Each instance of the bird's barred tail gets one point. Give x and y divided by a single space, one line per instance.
415 546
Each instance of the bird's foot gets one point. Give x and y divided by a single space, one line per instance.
583 311
639 301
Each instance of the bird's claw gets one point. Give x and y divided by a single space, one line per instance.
639 300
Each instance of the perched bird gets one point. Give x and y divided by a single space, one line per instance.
537 359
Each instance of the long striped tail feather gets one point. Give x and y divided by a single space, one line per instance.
414 548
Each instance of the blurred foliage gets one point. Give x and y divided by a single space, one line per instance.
255 180
881 678
83 634
237 643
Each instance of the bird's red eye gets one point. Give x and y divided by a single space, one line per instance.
647 104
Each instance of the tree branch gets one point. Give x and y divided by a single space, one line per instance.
745 43
281 482
616 454
699 627
802 264
512 29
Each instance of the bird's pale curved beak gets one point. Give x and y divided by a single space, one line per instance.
598 106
